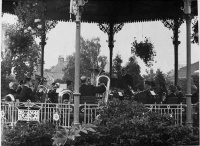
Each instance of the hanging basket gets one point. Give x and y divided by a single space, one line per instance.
144 50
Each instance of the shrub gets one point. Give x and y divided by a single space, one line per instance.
24 134
128 123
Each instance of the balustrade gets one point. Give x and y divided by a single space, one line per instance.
13 112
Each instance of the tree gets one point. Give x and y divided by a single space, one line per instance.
133 69
89 58
195 33
195 79
160 83
116 69
21 52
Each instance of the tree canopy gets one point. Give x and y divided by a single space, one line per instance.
89 58
21 53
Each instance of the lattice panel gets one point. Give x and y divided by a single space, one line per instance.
28 115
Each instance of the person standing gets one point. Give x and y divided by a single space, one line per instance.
90 90
26 92
171 97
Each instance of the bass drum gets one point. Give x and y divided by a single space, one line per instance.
65 96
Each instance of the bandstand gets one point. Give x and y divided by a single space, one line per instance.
110 17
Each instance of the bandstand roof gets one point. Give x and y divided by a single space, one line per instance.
115 11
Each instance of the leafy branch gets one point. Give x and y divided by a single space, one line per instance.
144 50
64 134
31 15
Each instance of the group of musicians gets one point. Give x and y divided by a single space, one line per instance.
26 91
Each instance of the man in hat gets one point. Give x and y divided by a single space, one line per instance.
26 92
90 90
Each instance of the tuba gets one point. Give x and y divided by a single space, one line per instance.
65 96
106 94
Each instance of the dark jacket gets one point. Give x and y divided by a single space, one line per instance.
25 94
172 98
195 97
180 97
128 80
53 96
90 90
145 97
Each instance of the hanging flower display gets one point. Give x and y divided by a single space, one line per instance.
144 50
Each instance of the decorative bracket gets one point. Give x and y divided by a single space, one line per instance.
76 8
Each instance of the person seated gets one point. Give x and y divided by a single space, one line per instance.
20 86
147 96
12 93
127 82
171 98
90 90
179 94
26 92
52 95
195 95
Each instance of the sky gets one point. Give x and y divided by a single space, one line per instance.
61 41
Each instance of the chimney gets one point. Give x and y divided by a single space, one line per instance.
60 60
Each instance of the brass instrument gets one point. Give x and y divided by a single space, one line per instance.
106 94
65 96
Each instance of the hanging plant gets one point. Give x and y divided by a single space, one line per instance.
144 50
31 14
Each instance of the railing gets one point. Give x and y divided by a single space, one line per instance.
13 112
177 111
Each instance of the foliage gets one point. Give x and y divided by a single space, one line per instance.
160 82
31 14
133 69
195 79
89 58
66 134
150 75
195 37
116 69
144 50
21 52
25 134
182 82
129 123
